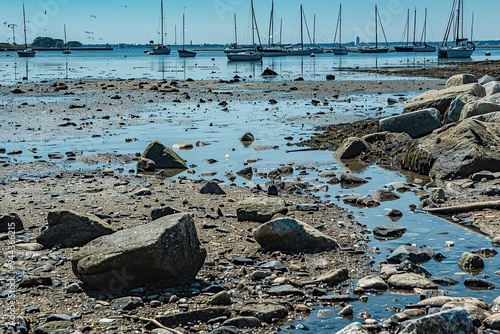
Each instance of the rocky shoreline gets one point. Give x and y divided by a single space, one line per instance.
248 283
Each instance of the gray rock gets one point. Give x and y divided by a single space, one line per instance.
485 79
260 209
276 173
163 156
492 87
375 137
353 328
221 298
394 213
478 284
273 265
441 99
389 231
126 303
372 283
442 300
351 148
287 234
474 310
272 190
284 290
165 252
348 178
492 322
201 315
212 188
182 146
347 311
437 195
457 321
485 174
54 326
384 195
163 211
460 79
260 274
243 322
456 107
29 282
145 164
307 207
409 281
74 288
10 222
226 330
457 150
471 263
143 192
486 105
247 173
415 124
265 312
72 229
412 253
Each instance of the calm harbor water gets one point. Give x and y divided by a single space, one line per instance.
134 63
270 125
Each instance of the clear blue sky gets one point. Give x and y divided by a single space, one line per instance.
211 21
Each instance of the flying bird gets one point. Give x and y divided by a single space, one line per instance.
93 16
45 12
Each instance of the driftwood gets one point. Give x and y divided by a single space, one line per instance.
152 321
464 207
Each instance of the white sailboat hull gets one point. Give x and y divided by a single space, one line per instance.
459 53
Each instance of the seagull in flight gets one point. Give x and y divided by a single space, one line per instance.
93 16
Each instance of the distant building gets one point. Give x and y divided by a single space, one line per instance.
357 40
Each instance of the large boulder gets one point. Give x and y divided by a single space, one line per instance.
482 106
354 328
371 283
415 124
456 107
260 209
287 234
163 156
351 148
457 150
460 79
441 99
471 263
492 87
164 252
72 229
457 321
10 222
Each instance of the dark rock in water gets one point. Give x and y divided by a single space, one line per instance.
389 231
126 303
10 222
412 253
351 148
285 170
163 156
409 281
246 172
471 263
212 188
299 79
71 229
384 195
163 211
478 283
443 281
287 234
330 77
146 165
269 72
272 190
17 91
348 178
485 252
201 315
394 213
247 137
142 255
410 267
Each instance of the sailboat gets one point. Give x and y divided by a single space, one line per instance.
339 49
66 47
235 47
301 50
183 52
161 49
461 48
407 47
423 46
375 49
274 50
27 52
251 55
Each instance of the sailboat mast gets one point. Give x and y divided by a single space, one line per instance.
65 42
414 26
24 21
161 19
314 30
183 30
425 27
271 26
472 28
407 26
376 27
235 32
281 29
301 29
340 25
253 24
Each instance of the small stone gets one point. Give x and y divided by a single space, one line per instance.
143 192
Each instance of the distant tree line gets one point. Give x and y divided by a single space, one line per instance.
48 42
